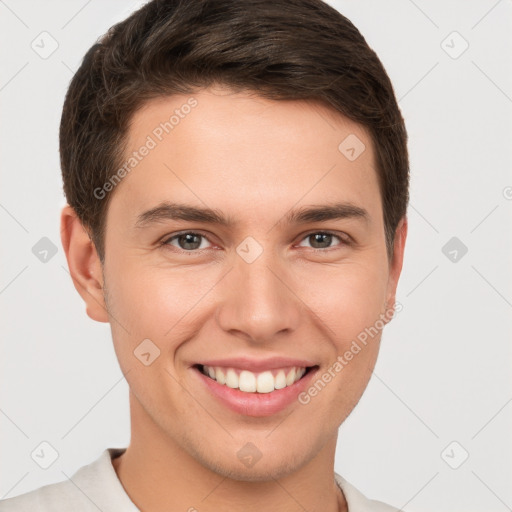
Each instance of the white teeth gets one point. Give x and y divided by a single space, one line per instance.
219 376
231 379
249 382
290 378
280 380
265 382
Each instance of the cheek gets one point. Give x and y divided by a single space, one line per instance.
155 301
150 306
354 316
163 305
347 299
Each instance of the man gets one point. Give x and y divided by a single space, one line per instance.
237 180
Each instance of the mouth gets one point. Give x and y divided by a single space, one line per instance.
262 392
253 382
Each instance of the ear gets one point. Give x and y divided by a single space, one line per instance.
395 265
84 264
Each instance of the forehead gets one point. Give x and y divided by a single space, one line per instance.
244 153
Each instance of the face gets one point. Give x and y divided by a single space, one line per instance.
255 291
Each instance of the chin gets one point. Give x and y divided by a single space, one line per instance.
269 466
260 472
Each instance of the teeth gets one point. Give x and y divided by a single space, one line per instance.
231 379
219 376
249 382
265 383
290 378
280 380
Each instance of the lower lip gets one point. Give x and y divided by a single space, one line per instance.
256 404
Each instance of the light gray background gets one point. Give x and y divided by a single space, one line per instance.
444 369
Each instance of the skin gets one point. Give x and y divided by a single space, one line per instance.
253 159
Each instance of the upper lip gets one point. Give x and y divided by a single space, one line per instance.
258 365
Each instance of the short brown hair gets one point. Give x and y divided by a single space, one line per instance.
280 49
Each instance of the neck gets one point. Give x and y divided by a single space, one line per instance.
159 475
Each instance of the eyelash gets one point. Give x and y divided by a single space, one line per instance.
166 242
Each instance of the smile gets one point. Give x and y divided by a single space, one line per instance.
254 387
251 382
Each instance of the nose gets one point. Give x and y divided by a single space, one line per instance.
259 303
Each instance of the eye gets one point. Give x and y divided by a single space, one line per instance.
322 240
192 241
186 241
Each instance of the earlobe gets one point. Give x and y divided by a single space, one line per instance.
395 266
84 264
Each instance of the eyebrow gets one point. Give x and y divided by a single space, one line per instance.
175 211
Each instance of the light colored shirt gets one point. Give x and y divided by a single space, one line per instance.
96 487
